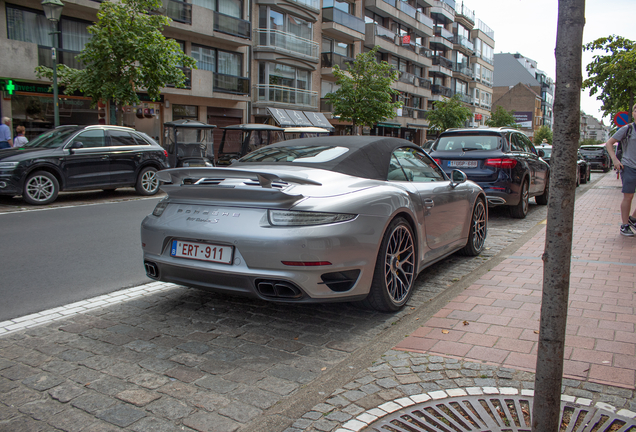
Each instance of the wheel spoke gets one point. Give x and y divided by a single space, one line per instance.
399 264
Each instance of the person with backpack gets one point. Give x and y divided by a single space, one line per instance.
626 165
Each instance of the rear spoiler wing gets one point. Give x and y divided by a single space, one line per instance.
265 179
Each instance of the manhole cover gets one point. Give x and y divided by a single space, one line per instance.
495 413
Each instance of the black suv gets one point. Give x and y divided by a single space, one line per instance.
597 156
72 158
502 161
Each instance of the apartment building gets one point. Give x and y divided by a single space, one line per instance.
265 61
593 129
512 69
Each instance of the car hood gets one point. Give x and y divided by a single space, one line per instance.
20 154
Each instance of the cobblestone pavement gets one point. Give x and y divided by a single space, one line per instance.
181 359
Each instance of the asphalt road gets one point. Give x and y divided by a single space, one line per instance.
55 256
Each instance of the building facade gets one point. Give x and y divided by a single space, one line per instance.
261 57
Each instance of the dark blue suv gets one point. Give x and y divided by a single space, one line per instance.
502 161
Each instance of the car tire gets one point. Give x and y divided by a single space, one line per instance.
40 188
584 178
578 177
478 230
543 198
520 211
589 174
147 182
606 170
394 273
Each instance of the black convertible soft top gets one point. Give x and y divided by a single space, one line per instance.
368 156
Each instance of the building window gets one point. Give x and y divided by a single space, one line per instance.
332 45
283 75
233 8
274 20
340 5
219 61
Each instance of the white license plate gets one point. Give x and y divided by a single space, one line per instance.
202 251
462 164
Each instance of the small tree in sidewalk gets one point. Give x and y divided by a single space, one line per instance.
127 53
365 93
558 240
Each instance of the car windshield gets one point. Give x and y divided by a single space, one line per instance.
592 149
51 139
305 154
461 143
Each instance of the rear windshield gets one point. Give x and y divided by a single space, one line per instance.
458 143
592 149
305 154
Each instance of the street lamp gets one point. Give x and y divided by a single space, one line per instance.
53 12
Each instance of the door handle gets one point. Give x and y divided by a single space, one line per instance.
104 157
428 203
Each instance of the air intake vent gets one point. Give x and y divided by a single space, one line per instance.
278 185
341 281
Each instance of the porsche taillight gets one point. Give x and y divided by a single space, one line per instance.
501 163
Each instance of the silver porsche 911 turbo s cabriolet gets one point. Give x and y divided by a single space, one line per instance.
314 220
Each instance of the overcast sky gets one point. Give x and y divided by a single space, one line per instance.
529 28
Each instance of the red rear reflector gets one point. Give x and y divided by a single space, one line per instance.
437 161
497 188
306 263
501 163
166 153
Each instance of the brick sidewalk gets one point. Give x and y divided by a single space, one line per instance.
496 319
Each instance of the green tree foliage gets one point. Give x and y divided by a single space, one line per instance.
449 113
611 75
127 53
502 118
365 94
544 132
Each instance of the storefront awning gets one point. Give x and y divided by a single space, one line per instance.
389 125
294 118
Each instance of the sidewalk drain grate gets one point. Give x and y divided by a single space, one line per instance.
495 413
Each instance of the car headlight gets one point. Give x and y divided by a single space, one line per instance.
159 208
302 218
8 165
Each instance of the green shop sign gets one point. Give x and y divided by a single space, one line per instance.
46 88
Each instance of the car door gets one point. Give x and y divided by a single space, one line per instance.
86 161
442 207
538 168
125 155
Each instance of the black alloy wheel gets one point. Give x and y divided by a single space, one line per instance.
520 211
394 273
478 230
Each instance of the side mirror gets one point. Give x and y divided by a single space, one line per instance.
457 177
541 153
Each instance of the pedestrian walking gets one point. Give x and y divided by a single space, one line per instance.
626 166
5 133
20 139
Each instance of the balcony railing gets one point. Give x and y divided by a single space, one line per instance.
330 59
463 69
407 112
424 83
231 84
448 8
425 19
442 32
285 95
484 28
64 57
179 11
488 60
442 61
188 78
331 14
408 9
464 97
419 113
426 52
437 89
384 33
390 2
467 13
287 42
407 78
314 4
232 25
463 41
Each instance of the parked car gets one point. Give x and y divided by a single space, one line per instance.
314 220
73 158
503 161
597 156
584 169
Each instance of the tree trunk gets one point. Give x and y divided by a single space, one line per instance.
558 245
